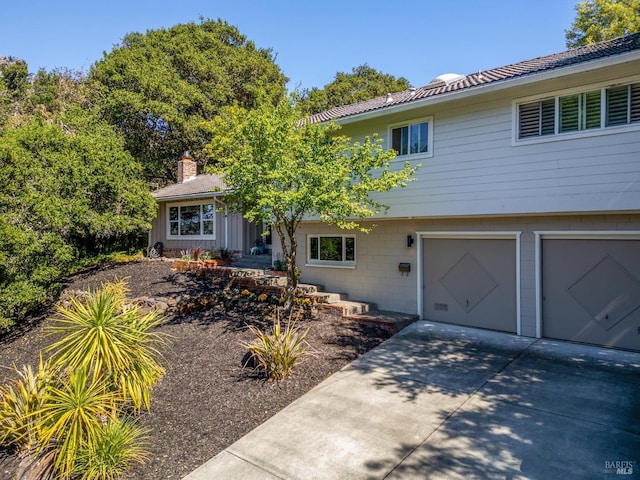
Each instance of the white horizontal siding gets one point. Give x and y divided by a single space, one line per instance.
475 169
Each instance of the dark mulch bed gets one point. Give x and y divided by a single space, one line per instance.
207 400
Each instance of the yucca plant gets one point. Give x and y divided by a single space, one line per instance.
110 341
119 443
19 400
71 418
278 351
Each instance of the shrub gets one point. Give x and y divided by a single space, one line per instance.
118 444
278 351
73 416
110 340
197 253
19 425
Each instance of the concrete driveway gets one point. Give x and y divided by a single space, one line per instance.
440 401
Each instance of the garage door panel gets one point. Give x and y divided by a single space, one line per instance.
591 291
470 282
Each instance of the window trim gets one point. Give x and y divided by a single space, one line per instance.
312 262
591 132
407 123
189 204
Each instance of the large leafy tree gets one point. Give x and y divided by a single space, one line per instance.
13 86
281 170
363 83
68 189
159 88
599 20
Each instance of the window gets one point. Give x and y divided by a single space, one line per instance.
332 250
193 220
412 138
579 112
537 118
590 110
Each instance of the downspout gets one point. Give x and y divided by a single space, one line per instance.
226 226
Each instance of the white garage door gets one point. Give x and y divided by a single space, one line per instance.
591 291
470 282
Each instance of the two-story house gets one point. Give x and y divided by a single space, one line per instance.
525 215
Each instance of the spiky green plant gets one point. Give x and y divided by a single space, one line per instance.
278 351
118 444
19 425
111 341
71 418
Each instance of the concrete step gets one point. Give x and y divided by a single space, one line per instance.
354 308
308 289
327 297
390 321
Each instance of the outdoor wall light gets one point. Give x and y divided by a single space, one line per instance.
409 240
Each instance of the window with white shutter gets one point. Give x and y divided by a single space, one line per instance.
590 110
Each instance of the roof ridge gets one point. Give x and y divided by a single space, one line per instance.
565 58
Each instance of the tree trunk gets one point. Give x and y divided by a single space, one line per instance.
289 244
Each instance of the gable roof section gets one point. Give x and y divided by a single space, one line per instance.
556 61
200 186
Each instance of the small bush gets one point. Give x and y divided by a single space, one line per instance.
19 425
278 351
119 443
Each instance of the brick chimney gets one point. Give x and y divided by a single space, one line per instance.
187 168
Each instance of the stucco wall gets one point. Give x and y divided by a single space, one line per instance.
376 278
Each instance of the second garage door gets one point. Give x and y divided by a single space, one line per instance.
591 291
470 282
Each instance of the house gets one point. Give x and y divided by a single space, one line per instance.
193 213
525 215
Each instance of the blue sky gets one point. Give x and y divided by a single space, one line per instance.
313 40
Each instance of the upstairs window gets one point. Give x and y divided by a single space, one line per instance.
192 221
590 110
537 118
623 105
579 112
412 138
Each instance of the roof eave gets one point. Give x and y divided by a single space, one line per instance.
493 87
192 196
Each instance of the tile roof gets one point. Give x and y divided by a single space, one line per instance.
567 58
198 185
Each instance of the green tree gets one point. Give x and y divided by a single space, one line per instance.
363 83
68 189
599 20
14 74
14 83
160 87
281 170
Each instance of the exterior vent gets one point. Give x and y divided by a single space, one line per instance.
445 79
